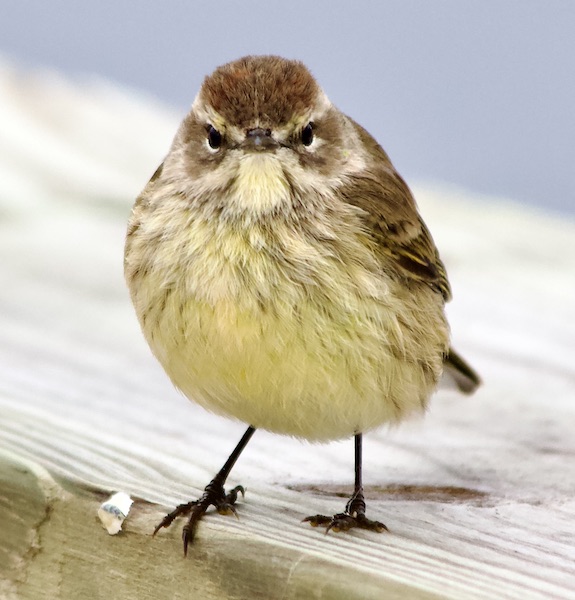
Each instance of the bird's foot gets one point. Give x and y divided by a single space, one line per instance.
345 521
353 516
214 495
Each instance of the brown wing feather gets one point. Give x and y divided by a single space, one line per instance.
406 246
391 217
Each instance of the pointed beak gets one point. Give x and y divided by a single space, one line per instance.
259 140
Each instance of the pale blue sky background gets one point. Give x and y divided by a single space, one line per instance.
478 93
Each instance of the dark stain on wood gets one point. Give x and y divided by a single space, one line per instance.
404 492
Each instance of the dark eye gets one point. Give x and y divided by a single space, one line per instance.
214 138
307 135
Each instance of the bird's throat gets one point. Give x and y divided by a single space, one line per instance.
260 187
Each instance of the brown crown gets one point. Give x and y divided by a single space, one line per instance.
268 90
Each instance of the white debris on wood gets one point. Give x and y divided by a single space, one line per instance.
114 511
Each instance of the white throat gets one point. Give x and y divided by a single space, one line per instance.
261 185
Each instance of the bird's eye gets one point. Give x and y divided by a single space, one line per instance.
214 138
307 134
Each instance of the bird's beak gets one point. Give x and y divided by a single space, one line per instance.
259 140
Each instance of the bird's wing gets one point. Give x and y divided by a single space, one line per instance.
390 216
402 239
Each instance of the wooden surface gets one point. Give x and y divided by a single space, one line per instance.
478 496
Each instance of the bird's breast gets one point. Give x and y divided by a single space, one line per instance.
276 330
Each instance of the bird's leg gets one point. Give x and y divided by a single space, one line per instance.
214 495
354 513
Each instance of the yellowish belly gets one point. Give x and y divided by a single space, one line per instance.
299 333
311 371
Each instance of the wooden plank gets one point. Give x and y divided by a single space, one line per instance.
478 496
60 552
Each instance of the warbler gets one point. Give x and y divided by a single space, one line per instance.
282 275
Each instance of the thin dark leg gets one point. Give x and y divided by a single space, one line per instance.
356 504
358 461
354 513
214 495
229 464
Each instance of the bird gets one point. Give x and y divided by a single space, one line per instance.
283 277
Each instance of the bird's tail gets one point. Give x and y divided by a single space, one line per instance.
462 374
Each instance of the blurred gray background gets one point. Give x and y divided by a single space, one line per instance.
477 93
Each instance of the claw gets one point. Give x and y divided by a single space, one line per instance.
214 495
181 509
227 509
344 522
317 520
232 495
365 523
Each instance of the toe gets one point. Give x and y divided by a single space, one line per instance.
317 520
225 508
232 495
341 522
364 523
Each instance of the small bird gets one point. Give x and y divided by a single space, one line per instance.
282 274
